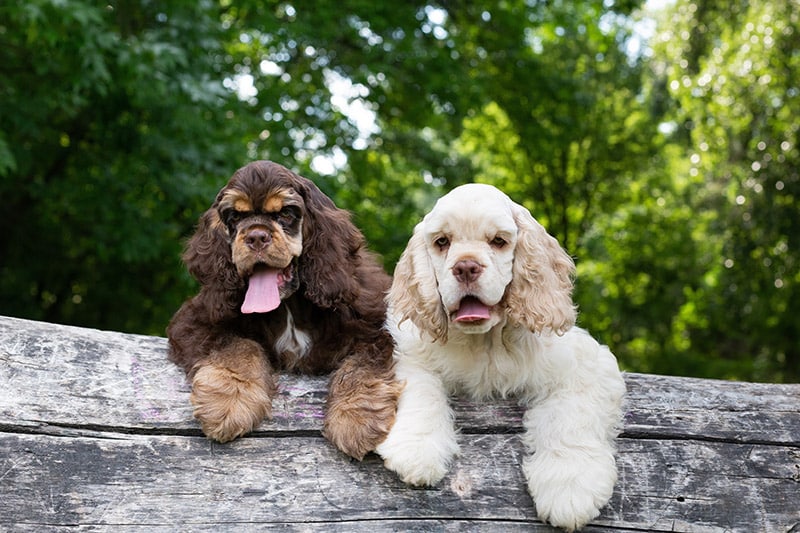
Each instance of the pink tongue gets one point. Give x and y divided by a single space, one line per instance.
472 310
262 291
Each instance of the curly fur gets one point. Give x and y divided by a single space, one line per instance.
476 244
330 318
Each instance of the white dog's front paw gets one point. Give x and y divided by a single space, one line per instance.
421 461
569 489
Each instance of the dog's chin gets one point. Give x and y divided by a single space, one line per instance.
472 317
476 327
288 279
250 263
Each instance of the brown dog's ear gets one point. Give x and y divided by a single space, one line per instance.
332 246
540 294
415 293
208 258
208 254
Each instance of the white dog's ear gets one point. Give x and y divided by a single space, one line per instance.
540 293
415 293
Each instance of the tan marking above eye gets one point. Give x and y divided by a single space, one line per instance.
236 199
275 201
243 205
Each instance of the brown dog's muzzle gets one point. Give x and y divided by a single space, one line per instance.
257 238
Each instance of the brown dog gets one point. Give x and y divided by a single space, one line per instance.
286 284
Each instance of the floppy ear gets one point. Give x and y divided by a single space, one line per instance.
415 292
332 249
540 293
208 254
208 258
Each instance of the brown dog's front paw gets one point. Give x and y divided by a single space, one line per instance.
226 404
360 414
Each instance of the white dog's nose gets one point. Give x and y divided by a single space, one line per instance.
467 271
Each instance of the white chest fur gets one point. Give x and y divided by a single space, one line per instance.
294 343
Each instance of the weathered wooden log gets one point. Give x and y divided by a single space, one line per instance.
96 431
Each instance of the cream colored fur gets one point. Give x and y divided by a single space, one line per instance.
528 348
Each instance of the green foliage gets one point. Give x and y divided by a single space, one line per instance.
737 92
115 123
670 176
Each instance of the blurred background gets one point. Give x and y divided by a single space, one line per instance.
657 141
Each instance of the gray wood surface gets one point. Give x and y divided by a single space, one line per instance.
96 433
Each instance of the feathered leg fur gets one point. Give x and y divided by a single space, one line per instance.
422 443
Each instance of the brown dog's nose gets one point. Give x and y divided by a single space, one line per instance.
467 271
257 239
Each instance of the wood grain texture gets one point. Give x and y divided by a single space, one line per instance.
96 433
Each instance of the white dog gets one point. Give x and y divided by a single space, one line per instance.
481 304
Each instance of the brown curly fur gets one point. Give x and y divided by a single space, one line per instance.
338 302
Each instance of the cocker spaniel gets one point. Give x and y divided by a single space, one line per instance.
286 284
481 305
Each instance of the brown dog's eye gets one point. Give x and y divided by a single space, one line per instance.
498 242
442 242
287 216
232 217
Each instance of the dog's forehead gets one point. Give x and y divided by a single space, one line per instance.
263 199
275 199
261 186
472 208
235 199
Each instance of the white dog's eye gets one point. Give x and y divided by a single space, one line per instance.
498 242
442 243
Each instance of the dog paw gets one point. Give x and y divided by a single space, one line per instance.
226 404
422 461
570 489
360 414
